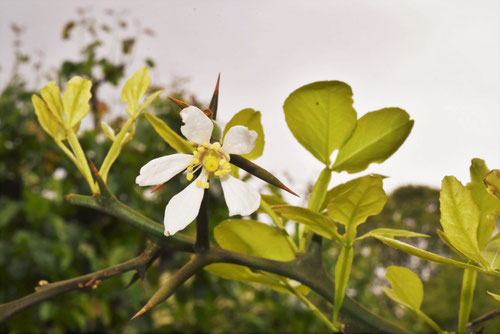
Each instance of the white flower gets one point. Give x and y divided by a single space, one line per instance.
213 160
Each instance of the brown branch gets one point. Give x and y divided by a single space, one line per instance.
50 290
475 324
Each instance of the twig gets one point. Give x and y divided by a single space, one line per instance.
473 325
50 290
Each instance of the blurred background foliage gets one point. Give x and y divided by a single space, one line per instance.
44 238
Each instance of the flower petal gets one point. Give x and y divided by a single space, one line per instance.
239 140
241 199
184 207
197 126
162 169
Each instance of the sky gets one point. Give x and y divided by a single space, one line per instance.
438 60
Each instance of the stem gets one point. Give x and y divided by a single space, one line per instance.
51 290
474 324
429 321
114 150
466 298
312 307
342 273
202 232
80 156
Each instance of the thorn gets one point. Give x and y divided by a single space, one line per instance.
289 190
94 170
157 187
92 280
142 311
216 91
180 103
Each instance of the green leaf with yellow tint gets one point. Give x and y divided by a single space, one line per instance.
318 223
488 204
363 198
492 181
51 94
407 248
177 142
392 233
76 99
377 136
135 88
253 238
406 287
321 117
47 119
491 253
460 218
250 119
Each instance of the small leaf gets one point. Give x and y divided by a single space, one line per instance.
378 135
460 218
76 99
108 131
412 250
177 142
497 297
250 119
318 223
135 88
47 119
491 253
407 288
365 197
150 99
321 117
392 233
253 238
51 94
492 181
488 204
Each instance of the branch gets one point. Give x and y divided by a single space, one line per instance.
307 269
50 290
475 324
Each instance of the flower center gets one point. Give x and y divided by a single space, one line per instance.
209 157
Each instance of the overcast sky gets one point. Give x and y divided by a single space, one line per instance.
438 60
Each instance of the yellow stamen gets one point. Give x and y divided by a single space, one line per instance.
206 185
216 146
201 149
198 183
189 176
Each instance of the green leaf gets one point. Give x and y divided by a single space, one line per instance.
318 223
460 218
392 233
491 253
492 181
407 288
51 94
108 131
378 135
497 297
488 204
251 119
365 197
319 191
412 250
170 136
253 238
47 119
321 117
444 239
135 88
76 99
342 273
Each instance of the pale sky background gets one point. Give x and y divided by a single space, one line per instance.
438 60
